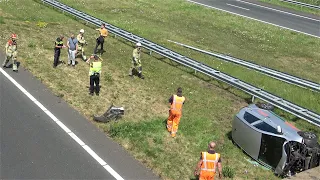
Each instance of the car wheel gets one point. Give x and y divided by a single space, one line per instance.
310 139
265 106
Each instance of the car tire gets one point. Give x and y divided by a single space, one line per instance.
310 139
265 106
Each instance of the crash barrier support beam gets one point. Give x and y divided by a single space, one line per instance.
265 70
285 105
301 4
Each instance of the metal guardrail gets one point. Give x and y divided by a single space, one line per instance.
265 70
302 4
285 105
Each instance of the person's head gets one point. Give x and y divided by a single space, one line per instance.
82 31
96 58
211 145
103 25
138 45
72 36
179 91
13 37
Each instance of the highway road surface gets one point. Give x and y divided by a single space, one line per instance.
44 138
289 19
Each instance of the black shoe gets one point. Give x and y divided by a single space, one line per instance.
91 94
97 94
4 67
15 70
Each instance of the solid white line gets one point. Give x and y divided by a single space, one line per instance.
252 18
94 155
65 128
238 7
109 169
75 137
279 10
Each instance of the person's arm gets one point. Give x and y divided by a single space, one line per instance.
220 168
171 100
77 46
68 44
107 32
88 61
135 56
196 171
6 47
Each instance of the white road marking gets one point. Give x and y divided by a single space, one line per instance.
238 7
65 128
278 10
253 18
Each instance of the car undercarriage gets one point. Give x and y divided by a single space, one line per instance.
300 156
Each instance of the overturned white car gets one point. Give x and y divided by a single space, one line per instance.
273 142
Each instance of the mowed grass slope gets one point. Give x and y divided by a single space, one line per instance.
209 110
160 20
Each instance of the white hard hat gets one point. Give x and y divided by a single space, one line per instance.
82 30
138 44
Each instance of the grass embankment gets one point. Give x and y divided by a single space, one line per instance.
297 7
211 105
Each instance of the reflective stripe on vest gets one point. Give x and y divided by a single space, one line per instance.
95 67
211 162
177 103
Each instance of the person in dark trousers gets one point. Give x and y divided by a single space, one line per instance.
57 50
103 33
94 73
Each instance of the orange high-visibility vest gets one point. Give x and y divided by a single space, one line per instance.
209 162
177 103
104 32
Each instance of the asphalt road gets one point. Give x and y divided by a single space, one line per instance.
286 18
33 146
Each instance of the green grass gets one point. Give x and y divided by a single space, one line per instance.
211 105
297 7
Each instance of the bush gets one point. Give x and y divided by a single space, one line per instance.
228 172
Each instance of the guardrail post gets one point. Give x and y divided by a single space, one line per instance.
150 53
252 99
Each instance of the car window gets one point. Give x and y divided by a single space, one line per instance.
271 149
250 118
266 127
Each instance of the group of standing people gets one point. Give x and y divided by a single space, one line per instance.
76 46
209 160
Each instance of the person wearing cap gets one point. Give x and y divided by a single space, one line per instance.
11 52
176 102
81 43
209 161
94 73
58 45
136 61
103 33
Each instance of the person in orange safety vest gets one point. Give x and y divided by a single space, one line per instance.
208 163
175 112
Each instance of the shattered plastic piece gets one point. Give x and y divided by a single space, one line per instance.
112 113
